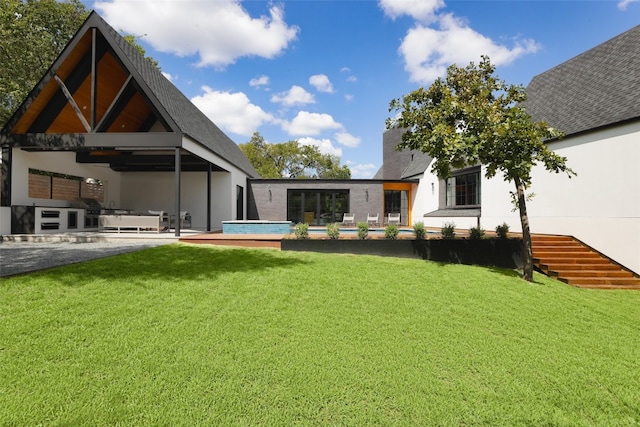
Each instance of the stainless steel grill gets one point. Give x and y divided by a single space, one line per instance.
92 209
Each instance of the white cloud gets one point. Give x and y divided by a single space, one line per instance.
306 123
257 82
321 83
428 52
347 139
362 170
420 10
294 96
167 76
325 146
348 97
622 4
219 32
232 112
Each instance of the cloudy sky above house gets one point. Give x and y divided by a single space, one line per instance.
323 72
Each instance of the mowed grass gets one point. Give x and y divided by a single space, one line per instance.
202 335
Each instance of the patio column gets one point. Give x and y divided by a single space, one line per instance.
209 197
177 195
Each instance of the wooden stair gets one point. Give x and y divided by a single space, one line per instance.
576 264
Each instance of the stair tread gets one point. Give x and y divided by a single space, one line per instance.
576 264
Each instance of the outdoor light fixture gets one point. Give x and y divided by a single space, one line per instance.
366 193
270 196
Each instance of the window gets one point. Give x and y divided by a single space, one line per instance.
464 189
317 207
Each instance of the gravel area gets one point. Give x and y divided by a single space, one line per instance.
25 257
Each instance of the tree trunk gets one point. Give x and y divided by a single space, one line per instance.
527 252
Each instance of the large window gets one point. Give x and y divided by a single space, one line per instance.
464 189
317 207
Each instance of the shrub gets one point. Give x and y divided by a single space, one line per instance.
363 230
476 233
391 232
448 230
502 231
302 230
419 230
333 230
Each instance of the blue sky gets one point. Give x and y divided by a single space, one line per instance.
323 72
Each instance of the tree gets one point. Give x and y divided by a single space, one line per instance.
473 118
32 35
292 160
133 41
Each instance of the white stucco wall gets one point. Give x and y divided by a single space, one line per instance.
425 197
60 162
600 206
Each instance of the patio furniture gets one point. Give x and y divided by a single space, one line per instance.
373 219
393 218
185 220
349 219
131 222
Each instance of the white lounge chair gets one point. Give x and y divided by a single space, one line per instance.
349 219
393 218
373 219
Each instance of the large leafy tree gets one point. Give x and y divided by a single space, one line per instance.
32 35
471 118
292 160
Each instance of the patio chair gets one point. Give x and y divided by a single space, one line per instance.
373 219
349 219
185 219
164 218
393 218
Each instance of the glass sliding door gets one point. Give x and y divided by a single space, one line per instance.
317 207
397 201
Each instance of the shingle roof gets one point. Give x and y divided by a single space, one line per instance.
189 119
419 163
597 88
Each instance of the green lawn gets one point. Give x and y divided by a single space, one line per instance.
201 335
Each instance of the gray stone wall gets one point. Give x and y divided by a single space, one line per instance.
267 199
394 161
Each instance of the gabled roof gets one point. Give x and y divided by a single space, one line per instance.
419 163
597 88
132 96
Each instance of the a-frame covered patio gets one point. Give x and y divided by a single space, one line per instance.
105 114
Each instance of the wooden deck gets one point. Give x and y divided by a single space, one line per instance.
242 240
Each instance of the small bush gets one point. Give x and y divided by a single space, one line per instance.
419 230
391 232
302 230
502 231
476 233
333 230
448 230
363 230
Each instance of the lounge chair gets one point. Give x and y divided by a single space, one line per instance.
349 219
373 219
393 218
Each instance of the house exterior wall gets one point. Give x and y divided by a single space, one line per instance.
394 161
425 197
261 207
59 162
600 206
